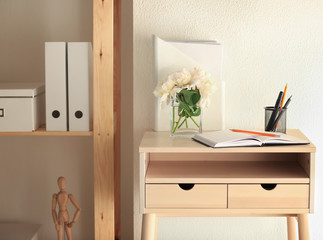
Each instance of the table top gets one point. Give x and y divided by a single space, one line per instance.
163 142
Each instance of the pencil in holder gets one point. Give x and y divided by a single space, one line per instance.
275 120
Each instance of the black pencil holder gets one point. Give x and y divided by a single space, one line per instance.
271 123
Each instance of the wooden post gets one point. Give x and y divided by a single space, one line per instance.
291 230
103 119
149 226
117 114
303 231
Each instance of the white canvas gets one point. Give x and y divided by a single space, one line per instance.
172 56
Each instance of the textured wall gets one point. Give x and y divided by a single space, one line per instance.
266 44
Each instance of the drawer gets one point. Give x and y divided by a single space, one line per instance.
266 196
186 195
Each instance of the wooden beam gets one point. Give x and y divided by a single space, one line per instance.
117 115
103 119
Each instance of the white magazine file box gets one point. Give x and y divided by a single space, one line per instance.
55 78
79 65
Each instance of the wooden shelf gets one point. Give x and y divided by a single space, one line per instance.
226 172
42 132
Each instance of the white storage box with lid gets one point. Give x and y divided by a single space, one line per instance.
21 106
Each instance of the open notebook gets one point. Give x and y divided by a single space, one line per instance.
227 138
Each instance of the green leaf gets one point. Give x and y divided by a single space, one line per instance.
185 107
187 100
191 97
196 112
196 97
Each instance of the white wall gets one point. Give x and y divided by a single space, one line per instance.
30 166
266 44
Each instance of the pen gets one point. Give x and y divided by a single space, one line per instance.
276 121
257 133
281 113
281 105
275 111
288 101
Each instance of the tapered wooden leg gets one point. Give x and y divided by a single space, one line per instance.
149 228
303 231
291 230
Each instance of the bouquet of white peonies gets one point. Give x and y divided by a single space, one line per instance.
190 91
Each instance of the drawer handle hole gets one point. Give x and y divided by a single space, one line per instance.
268 187
186 186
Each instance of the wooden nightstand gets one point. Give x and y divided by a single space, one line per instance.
180 177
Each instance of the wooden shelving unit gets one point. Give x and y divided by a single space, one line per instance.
106 119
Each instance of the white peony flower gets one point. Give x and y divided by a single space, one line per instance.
174 91
163 90
201 80
198 79
182 78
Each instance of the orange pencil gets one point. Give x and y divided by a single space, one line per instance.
282 103
257 133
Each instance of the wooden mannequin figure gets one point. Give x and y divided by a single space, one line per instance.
62 219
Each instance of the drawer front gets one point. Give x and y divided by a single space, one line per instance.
186 195
267 196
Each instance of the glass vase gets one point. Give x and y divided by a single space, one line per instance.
182 124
